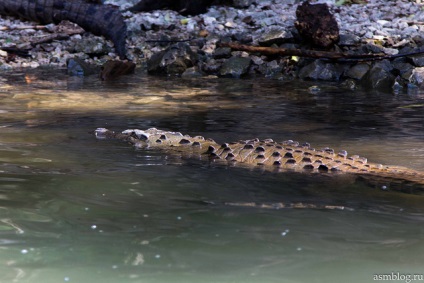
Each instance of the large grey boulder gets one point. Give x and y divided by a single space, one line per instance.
172 61
235 67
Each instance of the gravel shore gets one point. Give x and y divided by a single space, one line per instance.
381 27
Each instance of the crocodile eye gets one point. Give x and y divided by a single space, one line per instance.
143 137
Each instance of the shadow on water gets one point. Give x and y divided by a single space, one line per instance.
76 209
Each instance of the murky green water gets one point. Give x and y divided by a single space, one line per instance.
74 209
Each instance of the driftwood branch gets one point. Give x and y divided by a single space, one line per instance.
49 38
34 27
339 56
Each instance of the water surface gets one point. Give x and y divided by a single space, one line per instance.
80 210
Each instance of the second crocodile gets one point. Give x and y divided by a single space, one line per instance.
99 19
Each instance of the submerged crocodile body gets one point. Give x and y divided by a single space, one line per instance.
272 156
98 19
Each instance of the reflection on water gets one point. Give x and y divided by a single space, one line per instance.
80 210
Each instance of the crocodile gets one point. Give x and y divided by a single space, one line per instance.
98 19
272 156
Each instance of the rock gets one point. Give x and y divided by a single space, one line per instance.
358 71
371 48
235 67
77 67
380 76
403 68
242 3
349 84
242 37
418 61
173 60
115 68
272 69
390 51
222 52
192 72
90 45
318 70
349 40
418 40
317 25
212 66
275 36
417 77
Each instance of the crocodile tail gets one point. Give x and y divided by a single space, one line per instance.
98 19
396 178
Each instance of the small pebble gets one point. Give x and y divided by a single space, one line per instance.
314 89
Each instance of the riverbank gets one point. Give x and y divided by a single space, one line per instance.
374 27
